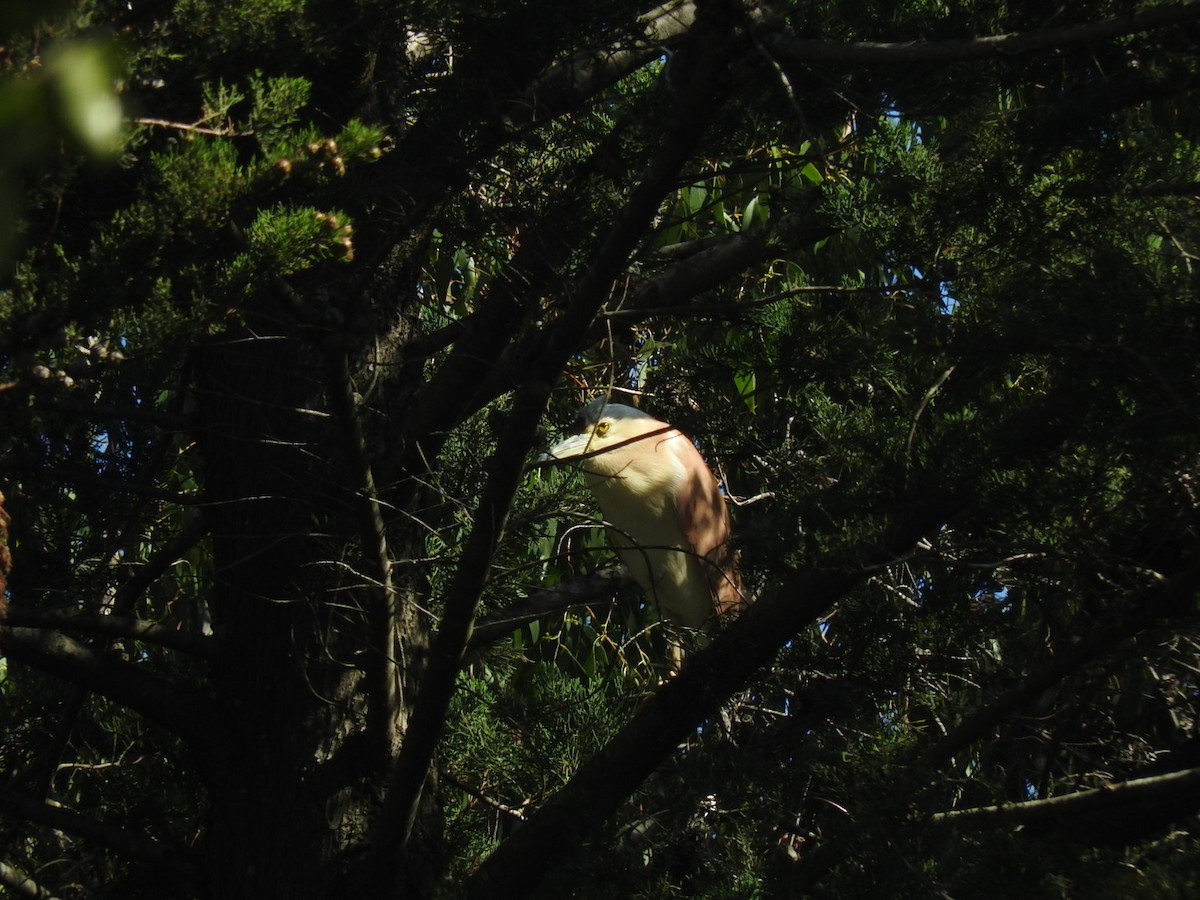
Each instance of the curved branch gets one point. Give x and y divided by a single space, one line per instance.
707 680
160 563
130 844
562 339
113 626
22 885
174 707
594 586
999 46
718 262
566 84
1177 794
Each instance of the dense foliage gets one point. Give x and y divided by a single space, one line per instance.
292 610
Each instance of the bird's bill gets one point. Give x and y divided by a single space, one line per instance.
575 445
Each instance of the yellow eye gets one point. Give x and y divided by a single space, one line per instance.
602 428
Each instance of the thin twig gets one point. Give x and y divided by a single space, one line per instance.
721 309
925 401
194 128
483 798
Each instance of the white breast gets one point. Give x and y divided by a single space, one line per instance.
638 502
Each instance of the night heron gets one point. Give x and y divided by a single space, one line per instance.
664 513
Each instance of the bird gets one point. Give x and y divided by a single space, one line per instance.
664 514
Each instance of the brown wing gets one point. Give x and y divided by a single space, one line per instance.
704 520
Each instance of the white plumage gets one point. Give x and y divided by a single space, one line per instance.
663 507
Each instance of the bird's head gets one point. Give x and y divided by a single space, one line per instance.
602 427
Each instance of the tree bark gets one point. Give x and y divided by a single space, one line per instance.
292 790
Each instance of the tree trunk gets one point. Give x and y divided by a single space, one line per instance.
294 791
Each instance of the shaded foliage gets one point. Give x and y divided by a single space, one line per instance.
918 278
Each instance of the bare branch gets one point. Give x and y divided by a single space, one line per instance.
514 812
546 460
674 286
128 843
377 559
588 588
22 885
707 680
113 626
462 602
194 128
1179 790
568 83
172 706
925 401
159 564
1000 46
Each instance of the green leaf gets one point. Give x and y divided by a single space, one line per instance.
746 383
811 174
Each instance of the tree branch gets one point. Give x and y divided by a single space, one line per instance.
1102 642
112 626
1180 791
562 339
708 679
399 810
679 283
566 84
1160 600
547 351
172 706
478 369
130 844
603 782
981 722
1000 46
145 575
22 885
382 678
584 589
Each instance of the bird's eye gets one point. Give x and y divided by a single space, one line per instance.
602 429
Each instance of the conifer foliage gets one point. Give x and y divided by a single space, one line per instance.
292 295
